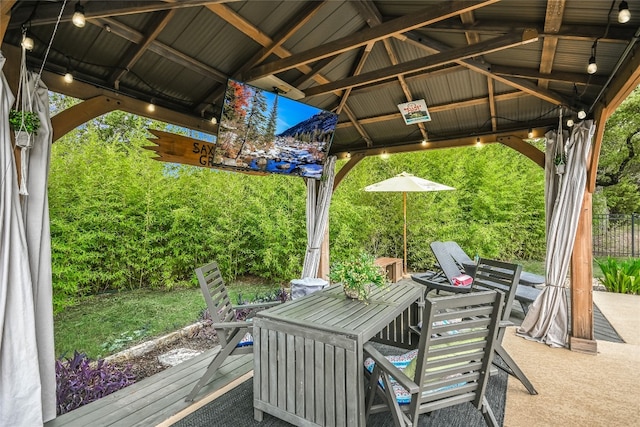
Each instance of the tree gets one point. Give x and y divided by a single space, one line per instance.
619 166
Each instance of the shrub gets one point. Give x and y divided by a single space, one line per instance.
80 381
621 276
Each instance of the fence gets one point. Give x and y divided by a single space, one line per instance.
616 235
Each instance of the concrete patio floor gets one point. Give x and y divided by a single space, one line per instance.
577 389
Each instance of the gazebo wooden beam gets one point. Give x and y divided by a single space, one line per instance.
438 12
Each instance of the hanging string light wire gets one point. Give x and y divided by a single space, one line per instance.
55 29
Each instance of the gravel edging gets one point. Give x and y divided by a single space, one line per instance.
147 346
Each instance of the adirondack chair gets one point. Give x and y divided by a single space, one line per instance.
234 336
452 364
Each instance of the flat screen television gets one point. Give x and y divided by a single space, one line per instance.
263 131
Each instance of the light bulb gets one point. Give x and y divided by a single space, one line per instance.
384 155
151 107
569 122
623 13
530 134
68 78
27 43
348 155
478 143
78 16
214 120
592 67
582 114
424 142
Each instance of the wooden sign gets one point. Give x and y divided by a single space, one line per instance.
174 148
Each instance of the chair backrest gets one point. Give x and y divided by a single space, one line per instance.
445 260
457 253
498 276
216 297
456 350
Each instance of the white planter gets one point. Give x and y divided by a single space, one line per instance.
560 168
23 139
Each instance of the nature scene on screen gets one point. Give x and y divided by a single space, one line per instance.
263 131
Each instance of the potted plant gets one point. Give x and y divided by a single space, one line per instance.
24 124
560 161
358 275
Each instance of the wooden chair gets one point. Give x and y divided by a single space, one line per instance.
503 277
452 363
234 336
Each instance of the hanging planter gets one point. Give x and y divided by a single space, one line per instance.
25 124
560 161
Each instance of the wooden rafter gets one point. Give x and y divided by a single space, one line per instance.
157 23
492 104
487 70
248 29
372 16
435 13
5 15
297 22
121 30
440 108
432 61
552 24
47 13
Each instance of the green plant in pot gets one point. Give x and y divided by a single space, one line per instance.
358 275
560 161
24 124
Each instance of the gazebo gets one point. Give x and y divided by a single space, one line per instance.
479 71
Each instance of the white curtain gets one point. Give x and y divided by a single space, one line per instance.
318 201
27 361
547 320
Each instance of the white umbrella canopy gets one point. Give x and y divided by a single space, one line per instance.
404 183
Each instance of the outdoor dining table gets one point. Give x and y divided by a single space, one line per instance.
308 360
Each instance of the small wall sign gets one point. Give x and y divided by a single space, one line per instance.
414 112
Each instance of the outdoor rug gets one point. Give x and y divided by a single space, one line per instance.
235 408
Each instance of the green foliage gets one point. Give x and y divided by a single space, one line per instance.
358 274
124 339
27 121
621 276
619 162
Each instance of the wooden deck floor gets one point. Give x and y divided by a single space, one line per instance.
159 399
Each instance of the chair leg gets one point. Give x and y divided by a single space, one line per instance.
217 361
392 402
514 369
487 413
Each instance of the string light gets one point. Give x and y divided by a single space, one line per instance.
151 107
347 155
623 13
27 42
593 67
424 142
582 114
478 142
384 155
569 122
78 18
68 77
530 134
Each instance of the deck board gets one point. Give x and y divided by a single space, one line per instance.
156 398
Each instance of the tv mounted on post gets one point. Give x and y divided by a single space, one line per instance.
263 131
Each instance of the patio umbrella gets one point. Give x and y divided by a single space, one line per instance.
406 182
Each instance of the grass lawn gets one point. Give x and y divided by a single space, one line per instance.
105 324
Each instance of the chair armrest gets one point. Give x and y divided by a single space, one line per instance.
232 325
257 305
388 367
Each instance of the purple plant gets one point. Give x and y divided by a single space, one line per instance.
79 381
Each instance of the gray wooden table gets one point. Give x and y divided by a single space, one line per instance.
308 362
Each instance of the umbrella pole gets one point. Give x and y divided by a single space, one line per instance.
404 204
